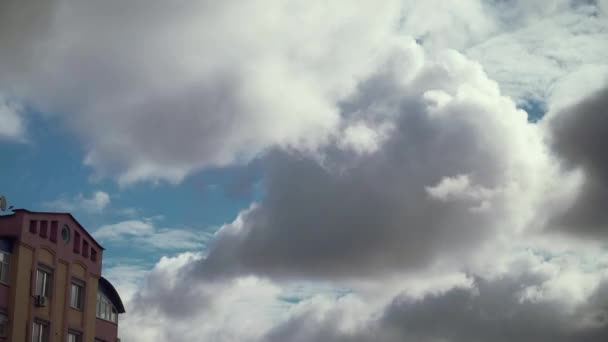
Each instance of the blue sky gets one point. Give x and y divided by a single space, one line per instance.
49 167
270 171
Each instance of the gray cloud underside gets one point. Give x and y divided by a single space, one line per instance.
356 215
579 137
492 310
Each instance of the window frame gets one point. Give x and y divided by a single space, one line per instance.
43 332
43 229
76 283
93 255
53 232
47 286
76 242
85 248
34 226
3 324
76 334
105 310
5 265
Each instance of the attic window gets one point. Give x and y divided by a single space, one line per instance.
53 236
44 225
93 255
33 226
65 233
85 248
76 242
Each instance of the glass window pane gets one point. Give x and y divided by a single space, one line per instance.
36 332
3 325
43 283
3 273
73 296
44 329
39 281
76 296
79 297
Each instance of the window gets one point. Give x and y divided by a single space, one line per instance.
74 336
40 332
65 233
105 309
53 236
33 226
76 296
43 283
5 266
3 325
76 242
44 225
85 248
93 255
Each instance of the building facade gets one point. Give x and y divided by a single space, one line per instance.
51 287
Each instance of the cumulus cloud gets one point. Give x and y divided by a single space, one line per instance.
492 307
209 84
578 133
203 311
407 205
535 292
96 203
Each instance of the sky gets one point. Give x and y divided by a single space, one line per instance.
270 171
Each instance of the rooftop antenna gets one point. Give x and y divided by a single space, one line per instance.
3 204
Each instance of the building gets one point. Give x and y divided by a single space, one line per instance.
51 287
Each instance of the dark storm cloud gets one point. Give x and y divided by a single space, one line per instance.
492 310
579 137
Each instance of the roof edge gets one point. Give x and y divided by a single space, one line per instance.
115 297
62 213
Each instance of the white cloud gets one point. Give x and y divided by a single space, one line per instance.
248 305
12 125
532 287
96 203
126 277
145 234
363 139
161 108
531 60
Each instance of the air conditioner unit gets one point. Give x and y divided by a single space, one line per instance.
41 301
